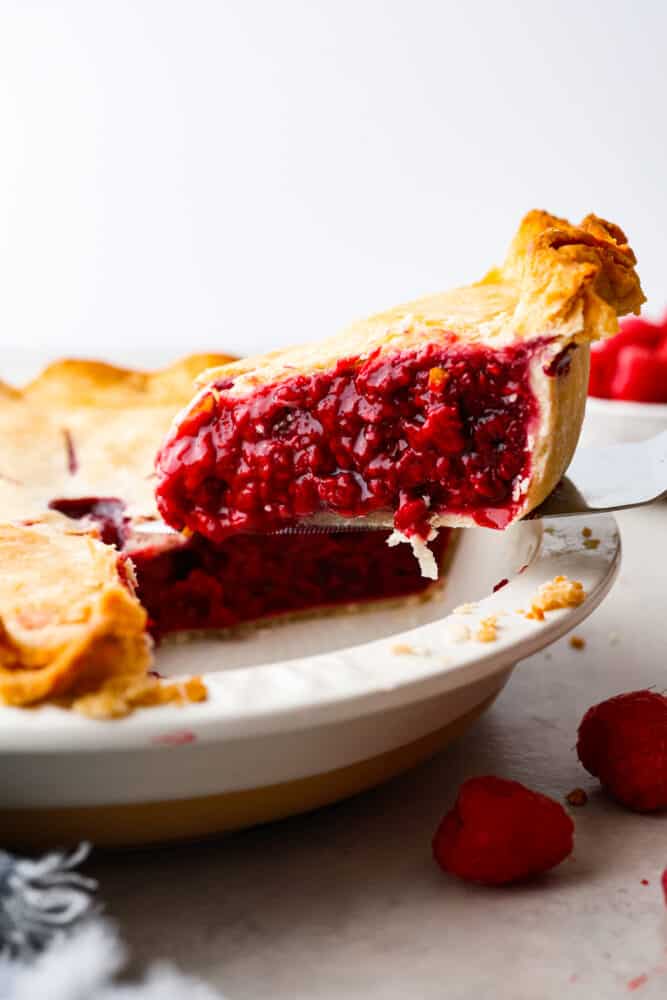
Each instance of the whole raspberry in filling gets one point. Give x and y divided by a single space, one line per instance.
442 428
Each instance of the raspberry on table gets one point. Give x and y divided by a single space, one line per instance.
499 831
623 743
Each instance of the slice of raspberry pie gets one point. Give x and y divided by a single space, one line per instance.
87 569
458 409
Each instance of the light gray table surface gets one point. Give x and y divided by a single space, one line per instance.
347 902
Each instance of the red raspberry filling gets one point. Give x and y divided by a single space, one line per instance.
197 585
440 429
193 584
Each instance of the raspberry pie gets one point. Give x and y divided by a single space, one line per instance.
87 569
458 409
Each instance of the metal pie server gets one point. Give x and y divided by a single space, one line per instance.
614 477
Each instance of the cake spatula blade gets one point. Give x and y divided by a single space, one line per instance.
615 477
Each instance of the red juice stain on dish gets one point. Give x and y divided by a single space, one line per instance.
634 984
176 739
381 434
501 583
663 882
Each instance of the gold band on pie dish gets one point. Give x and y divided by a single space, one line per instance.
148 822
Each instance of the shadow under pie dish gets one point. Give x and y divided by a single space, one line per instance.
460 409
89 571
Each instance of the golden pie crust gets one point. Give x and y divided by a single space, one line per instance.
85 428
558 280
69 620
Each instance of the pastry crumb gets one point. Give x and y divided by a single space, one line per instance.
577 797
405 649
577 642
561 592
427 562
614 638
488 629
458 632
591 543
121 695
402 649
465 609
586 532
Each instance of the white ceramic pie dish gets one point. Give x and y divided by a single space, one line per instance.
299 714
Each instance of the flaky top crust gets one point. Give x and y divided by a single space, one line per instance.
71 627
68 619
85 428
568 283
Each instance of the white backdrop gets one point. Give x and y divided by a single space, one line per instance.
187 175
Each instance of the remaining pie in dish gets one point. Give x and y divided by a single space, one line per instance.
458 409
87 569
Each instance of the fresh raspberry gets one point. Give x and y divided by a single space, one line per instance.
499 831
623 367
623 743
641 375
603 361
636 330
